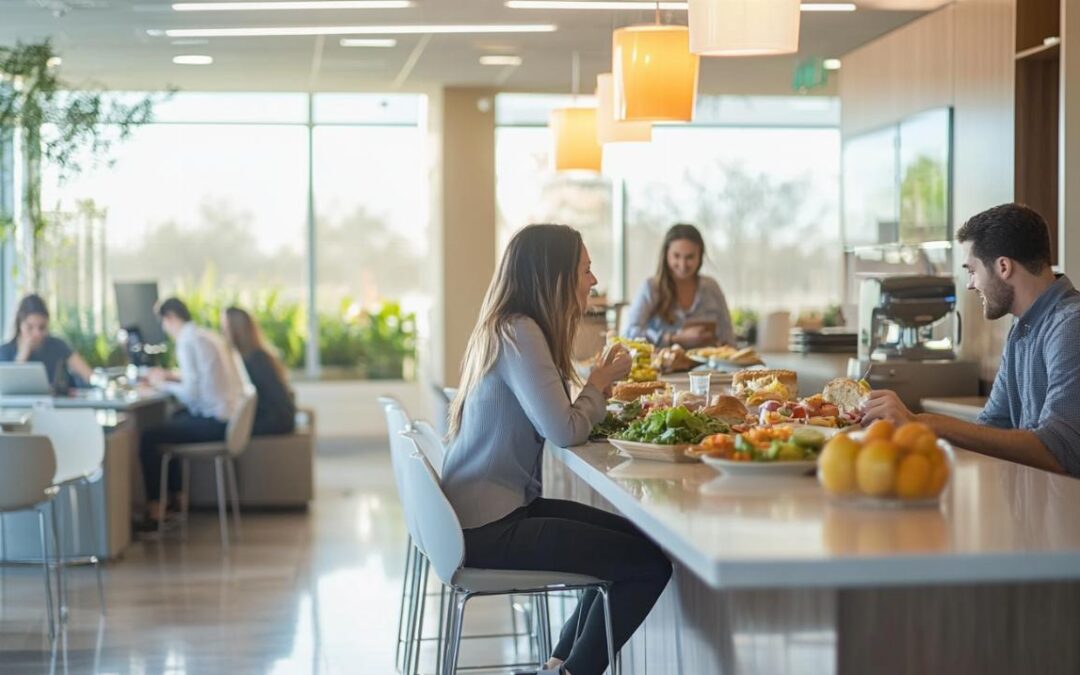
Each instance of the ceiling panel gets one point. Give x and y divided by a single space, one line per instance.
106 42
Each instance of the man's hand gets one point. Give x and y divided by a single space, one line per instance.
883 404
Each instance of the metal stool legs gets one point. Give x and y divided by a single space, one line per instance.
88 503
45 572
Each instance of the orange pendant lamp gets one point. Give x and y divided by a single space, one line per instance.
608 130
744 27
574 132
655 74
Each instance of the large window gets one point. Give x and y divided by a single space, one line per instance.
211 201
758 176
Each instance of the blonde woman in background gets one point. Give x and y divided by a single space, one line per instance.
514 394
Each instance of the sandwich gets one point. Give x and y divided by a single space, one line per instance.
727 409
632 391
846 394
757 386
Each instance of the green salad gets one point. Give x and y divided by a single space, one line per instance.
673 426
615 422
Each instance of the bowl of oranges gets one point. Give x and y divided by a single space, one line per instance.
885 465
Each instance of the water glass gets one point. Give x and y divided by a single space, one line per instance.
699 385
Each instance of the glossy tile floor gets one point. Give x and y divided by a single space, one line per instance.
314 592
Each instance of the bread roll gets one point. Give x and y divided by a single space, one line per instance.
632 391
727 409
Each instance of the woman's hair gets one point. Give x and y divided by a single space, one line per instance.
536 278
29 306
244 335
665 282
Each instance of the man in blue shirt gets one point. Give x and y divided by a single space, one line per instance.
1033 415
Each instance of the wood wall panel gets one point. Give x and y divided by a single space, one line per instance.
982 147
904 72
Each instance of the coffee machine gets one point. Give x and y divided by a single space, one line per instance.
909 331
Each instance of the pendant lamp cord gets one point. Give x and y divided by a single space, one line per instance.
657 12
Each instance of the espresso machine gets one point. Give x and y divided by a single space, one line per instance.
909 331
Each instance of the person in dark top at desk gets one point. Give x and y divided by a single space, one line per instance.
32 343
275 411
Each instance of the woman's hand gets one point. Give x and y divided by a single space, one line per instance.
693 336
614 365
26 346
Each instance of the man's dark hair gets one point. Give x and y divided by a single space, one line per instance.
174 306
1009 231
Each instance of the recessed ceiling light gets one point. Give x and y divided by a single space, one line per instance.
414 29
368 42
828 7
588 4
642 5
500 60
190 42
289 5
831 64
193 60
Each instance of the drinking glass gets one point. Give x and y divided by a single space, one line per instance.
699 385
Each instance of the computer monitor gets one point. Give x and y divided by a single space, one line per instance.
135 302
24 379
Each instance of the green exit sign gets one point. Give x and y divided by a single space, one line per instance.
809 74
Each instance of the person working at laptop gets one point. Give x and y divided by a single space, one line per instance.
33 343
209 387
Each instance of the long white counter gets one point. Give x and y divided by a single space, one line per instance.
999 521
773 577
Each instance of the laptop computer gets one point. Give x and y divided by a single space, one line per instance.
24 380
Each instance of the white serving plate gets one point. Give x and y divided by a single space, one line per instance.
654 451
790 468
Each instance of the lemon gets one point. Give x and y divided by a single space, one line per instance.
836 466
875 468
913 477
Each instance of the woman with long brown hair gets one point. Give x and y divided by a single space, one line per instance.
680 305
33 343
514 394
275 409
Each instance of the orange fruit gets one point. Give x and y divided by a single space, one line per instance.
926 445
881 430
913 477
939 478
875 468
907 434
836 466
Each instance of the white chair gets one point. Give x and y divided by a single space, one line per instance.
397 420
437 533
27 468
79 444
224 454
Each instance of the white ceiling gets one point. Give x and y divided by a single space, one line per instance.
105 42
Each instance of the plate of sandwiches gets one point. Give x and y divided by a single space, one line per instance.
726 355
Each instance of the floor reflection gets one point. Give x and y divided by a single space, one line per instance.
309 592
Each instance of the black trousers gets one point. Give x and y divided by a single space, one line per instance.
564 536
182 427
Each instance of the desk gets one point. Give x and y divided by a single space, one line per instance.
772 577
966 408
114 494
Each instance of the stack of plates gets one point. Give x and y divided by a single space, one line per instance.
825 341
